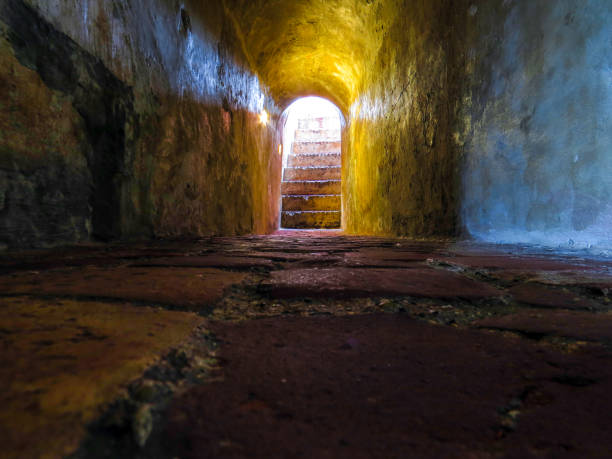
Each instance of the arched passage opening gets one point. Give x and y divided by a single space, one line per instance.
311 179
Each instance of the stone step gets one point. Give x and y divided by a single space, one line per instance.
319 135
316 123
314 160
312 202
304 187
312 173
322 220
316 147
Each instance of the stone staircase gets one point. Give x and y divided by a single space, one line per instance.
311 178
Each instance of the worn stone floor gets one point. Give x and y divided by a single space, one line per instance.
304 344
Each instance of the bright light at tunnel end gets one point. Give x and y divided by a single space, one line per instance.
264 118
313 106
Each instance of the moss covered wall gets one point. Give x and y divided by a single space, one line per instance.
130 119
538 123
400 160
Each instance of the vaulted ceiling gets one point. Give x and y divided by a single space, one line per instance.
309 47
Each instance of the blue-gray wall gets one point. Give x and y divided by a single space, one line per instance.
537 124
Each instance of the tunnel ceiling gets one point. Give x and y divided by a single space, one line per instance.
308 47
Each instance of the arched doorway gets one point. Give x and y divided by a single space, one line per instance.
311 181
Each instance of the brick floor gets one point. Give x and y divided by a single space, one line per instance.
363 347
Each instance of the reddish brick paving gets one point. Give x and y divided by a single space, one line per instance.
362 347
390 386
354 282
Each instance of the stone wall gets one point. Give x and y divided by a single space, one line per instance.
489 120
399 157
139 119
538 123
130 119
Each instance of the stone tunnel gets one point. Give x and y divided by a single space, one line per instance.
152 305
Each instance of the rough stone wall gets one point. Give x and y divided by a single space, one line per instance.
121 119
308 47
139 118
399 157
538 123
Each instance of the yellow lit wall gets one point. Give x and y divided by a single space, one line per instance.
391 68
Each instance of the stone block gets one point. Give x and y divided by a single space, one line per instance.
311 187
311 202
181 288
314 160
312 173
570 324
316 147
64 361
364 282
311 219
